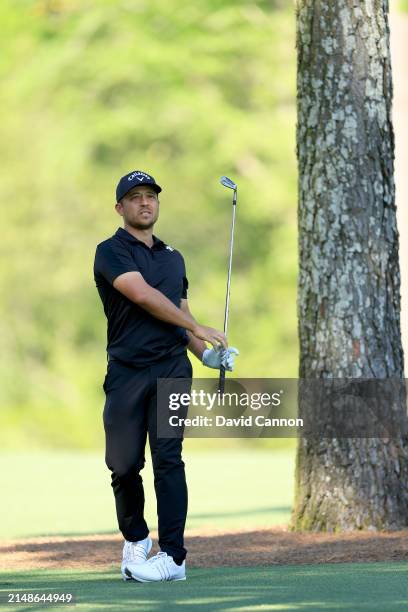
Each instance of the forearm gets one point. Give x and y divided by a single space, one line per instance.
133 286
196 345
159 306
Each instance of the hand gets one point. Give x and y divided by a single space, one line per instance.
213 336
214 359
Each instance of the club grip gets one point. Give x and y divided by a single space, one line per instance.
221 380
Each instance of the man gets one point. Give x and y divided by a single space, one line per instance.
143 287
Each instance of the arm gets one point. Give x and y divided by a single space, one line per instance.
134 287
195 345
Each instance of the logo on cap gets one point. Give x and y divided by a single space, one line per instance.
137 174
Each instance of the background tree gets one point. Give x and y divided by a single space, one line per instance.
349 280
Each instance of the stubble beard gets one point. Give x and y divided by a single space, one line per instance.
140 225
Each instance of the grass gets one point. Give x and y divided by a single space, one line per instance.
376 586
69 492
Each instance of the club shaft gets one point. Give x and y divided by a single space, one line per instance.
227 299
221 380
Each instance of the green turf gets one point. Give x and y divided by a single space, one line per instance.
70 493
376 586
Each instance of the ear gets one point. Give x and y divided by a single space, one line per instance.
119 208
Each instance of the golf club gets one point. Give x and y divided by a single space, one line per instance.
224 180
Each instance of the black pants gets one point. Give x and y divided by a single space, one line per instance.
129 414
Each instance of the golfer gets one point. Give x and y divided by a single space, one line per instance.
143 286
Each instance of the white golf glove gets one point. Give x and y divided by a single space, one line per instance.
213 359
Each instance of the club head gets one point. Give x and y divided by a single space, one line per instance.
224 180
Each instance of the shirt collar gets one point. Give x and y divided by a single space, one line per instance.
122 233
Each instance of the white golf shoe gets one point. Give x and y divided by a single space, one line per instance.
135 553
158 568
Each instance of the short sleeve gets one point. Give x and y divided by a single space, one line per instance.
112 260
185 287
185 282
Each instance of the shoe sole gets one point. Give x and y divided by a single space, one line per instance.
126 578
131 577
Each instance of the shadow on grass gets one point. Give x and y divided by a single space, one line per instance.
192 518
368 587
271 510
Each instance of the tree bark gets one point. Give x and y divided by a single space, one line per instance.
349 280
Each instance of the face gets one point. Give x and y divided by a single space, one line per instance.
139 207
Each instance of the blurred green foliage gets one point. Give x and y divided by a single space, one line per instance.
186 91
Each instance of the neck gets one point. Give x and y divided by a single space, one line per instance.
145 235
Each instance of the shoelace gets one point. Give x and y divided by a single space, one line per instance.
160 555
134 551
161 562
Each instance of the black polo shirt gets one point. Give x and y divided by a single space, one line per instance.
134 336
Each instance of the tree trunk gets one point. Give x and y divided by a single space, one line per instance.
349 281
